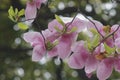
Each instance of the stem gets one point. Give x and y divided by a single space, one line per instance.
92 23
88 19
72 20
111 33
107 37
75 15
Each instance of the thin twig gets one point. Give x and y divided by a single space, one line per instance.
72 20
111 33
88 19
75 15
107 37
92 23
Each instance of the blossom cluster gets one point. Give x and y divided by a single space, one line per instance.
86 44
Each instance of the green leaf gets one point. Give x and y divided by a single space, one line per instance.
91 44
59 20
49 45
52 4
95 40
56 42
118 50
21 12
94 31
16 11
22 26
108 49
83 36
11 11
72 30
57 29
11 18
90 47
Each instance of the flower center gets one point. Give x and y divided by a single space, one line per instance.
101 56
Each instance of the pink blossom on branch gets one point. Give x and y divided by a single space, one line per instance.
41 46
102 59
67 36
82 58
64 39
93 53
31 9
37 42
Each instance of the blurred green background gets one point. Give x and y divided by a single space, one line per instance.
15 54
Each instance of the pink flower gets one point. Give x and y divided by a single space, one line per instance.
79 57
96 61
106 66
99 26
116 36
31 9
66 37
91 64
37 41
52 38
78 23
64 46
41 45
49 35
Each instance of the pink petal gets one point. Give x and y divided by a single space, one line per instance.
52 24
98 25
117 33
30 11
50 36
38 53
38 3
110 42
53 52
80 24
33 38
105 69
117 42
64 46
117 65
78 46
78 59
91 64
